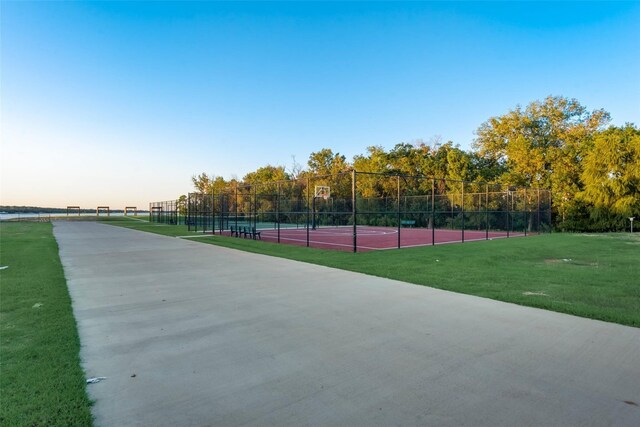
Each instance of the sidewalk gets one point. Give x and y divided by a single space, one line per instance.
190 334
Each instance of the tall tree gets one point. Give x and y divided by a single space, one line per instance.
182 205
325 162
542 145
611 173
327 168
459 165
202 182
377 161
266 174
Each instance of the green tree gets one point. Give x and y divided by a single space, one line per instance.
377 161
266 174
439 160
182 205
220 184
327 168
611 174
542 145
325 162
262 183
202 182
459 165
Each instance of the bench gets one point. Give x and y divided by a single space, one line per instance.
407 222
245 232
251 232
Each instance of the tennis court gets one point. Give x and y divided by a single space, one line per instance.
370 238
364 211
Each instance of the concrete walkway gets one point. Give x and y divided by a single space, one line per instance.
190 334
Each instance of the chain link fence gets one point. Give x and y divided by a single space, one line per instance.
363 211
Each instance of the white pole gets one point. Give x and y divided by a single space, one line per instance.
631 219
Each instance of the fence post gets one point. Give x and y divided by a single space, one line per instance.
550 210
354 211
255 206
191 213
213 210
462 204
221 201
307 221
196 213
526 213
236 207
433 212
398 203
538 212
205 214
508 211
486 211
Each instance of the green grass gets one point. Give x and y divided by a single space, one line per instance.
41 382
590 275
144 225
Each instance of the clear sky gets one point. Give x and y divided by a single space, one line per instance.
120 103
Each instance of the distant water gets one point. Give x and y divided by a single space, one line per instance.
5 216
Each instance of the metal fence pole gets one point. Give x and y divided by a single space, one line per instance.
354 211
508 211
213 210
308 190
462 203
538 212
550 212
398 203
221 201
196 212
205 214
486 211
526 213
433 212
190 211
452 208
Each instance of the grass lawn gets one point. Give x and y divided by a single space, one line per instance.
144 225
589 275
41 381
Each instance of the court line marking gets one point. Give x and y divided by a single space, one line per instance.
327 243
272 234
137 219
393 247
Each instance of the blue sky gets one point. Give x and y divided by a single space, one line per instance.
120 103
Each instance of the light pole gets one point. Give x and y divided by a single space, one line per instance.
631 219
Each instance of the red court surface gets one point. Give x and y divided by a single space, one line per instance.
376 238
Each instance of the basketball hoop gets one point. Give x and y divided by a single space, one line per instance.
322 191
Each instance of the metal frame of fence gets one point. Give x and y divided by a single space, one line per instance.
166 212
373 199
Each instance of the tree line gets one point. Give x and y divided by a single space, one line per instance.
591 168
